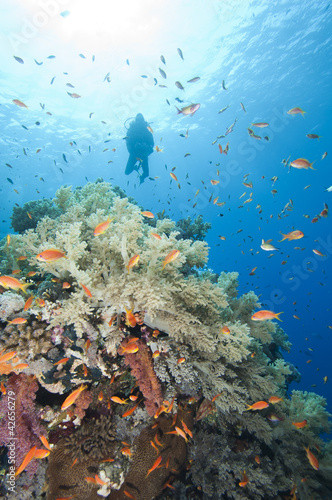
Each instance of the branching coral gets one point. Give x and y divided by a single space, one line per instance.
10 303
29 341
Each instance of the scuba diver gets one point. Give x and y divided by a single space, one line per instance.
139 141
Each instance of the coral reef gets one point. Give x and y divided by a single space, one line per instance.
28 216
199 355
192 229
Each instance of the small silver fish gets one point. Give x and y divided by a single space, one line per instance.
180 54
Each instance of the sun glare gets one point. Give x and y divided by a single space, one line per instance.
109 23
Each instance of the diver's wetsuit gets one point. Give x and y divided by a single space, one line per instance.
140 144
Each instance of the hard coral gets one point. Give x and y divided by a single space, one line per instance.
30 341
145 485
93 442
10 303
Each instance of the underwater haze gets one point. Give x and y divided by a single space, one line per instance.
253 161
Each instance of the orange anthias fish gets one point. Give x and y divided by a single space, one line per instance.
179 432
130 318
72 397
302 163
17 321
28 303
19 103
99 480
50 255
214 182
7 357
129 495
87 291
41 453
148 214
260 405
186 429
40 302
45 442
132 262
156 236
245 480
264 315
20 366
27 459
90 480
13 283
312 459
275 399
118 400
173 176
170 257
129 412
300 425
296 111
155 465
293 235
61 361
129 348
101 228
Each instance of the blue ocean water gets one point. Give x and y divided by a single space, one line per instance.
269 56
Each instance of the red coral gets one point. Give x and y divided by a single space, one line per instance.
82 403
141 365
22 391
